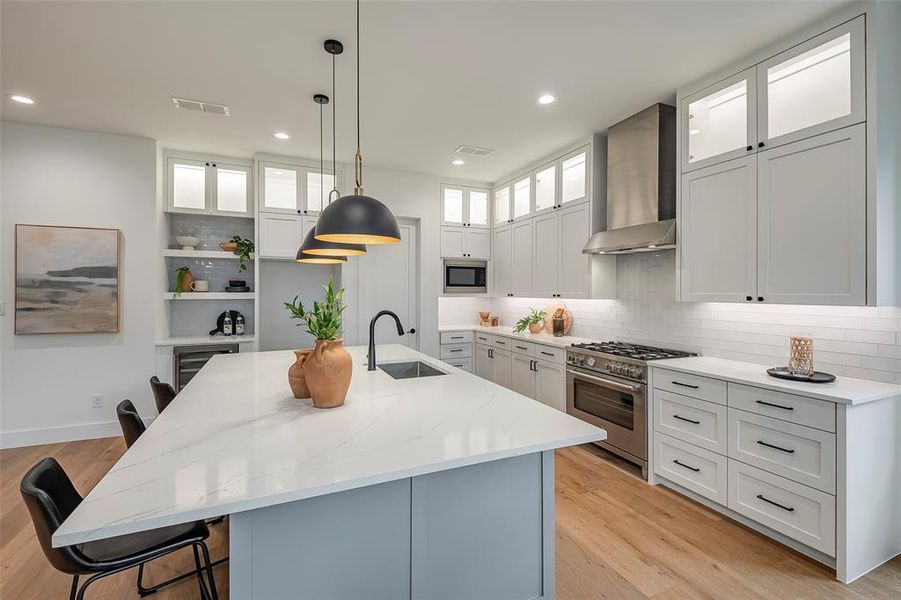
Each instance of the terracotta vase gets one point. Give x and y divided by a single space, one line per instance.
536 327
328 369
296 377
186 282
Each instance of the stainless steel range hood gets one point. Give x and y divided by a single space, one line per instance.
641 184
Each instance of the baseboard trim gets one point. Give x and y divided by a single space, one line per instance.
61 433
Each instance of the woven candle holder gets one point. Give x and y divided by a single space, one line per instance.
800 361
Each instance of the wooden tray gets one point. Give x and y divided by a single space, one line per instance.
549 311
815 377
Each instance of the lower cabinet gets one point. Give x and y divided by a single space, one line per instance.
456 349
494 364
550 384
517 368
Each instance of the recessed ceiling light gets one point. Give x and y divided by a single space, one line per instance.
281 135
546 99
459 162
21 99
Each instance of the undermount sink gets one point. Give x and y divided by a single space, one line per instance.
410 370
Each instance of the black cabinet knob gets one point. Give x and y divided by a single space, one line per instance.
748 298
750 148
760 298
760 144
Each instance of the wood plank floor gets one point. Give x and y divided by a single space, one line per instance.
616 538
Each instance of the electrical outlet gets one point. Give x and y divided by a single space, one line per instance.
97 401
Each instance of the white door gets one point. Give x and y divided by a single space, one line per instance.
546 242
575 268
503 261
503 367
814 87
478 243
231 190
718 237
280 236
550 384
388 278
280 188
452 243
812 243
484 364
521 259
522 376
719 123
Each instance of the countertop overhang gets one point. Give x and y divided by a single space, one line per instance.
235 439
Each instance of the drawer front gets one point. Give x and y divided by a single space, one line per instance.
696 469
456 337
464 364
800 512
702 388
698 422
785 407
521 347
554 354
456 350
497 341
482 338
799 453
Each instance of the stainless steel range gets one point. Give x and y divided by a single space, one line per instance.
606 385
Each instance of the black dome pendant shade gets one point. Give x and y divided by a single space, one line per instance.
303 255
357 218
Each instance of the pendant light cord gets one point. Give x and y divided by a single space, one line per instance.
320 157
358 159
334 190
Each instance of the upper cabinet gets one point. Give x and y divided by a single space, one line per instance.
522 198
464 206
502 209
208 187
293 189
574 177
547 188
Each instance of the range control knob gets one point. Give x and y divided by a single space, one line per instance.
590 361
635 372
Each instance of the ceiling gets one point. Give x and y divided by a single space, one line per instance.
434 74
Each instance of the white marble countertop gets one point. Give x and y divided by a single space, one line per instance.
235 439
844 390
539 338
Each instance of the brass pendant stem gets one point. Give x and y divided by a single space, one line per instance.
358 173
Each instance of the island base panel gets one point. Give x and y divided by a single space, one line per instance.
482 531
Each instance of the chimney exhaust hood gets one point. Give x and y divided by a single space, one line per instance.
641 184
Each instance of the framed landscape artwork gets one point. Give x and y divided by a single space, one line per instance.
67 279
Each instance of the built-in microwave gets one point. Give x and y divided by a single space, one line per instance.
465 277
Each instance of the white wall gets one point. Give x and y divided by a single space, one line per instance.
853 341
280 281
59 176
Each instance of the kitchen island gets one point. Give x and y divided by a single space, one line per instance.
438 487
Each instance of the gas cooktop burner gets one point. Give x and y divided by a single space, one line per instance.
633 351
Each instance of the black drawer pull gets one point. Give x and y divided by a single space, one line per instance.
782 506
686 420
500 342
456 350
688 385
456 337
780 448
681 464
775 405
546 353
521 348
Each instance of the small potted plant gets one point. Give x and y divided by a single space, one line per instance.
183 279
328 367
534 321
240 247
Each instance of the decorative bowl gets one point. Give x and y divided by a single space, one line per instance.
228 246
187 242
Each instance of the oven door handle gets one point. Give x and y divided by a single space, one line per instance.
616 385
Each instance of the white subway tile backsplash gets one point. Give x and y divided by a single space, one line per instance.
854 341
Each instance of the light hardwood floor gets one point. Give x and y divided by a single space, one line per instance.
616 538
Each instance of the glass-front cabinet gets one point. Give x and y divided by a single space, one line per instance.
208 187
502 204
546 187
720 122
522 198
293 189
464 206
574 177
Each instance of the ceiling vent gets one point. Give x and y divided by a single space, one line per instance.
473 151
198 105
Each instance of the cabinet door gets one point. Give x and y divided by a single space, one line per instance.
478 243
484 362
812 243
187 186
503 261
575 267
477 209
280 188
550 384
522 198
452 205
521 259
522 376
718 237
231 190
719 123
503 367
574 177
502 204
547 188
546 241
279 236
317 191
815 87
452 244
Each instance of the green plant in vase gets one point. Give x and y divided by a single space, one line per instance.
182 276
243 249
534 321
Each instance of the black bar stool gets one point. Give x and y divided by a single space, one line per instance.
163 393
50 497
131 423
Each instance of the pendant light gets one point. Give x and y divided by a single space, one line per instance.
357 218
313 251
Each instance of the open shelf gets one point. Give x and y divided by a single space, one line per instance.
195 340
211 296
221 254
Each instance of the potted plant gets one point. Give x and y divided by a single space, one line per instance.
183 279
534 321
327 368
240 247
